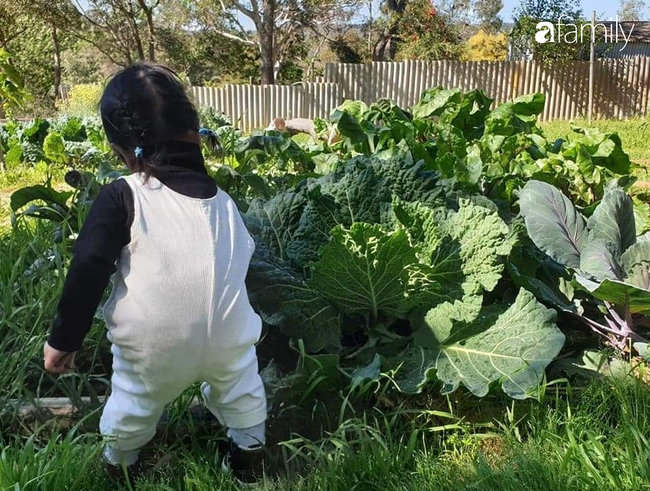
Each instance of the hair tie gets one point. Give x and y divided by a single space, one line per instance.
206 132
139 152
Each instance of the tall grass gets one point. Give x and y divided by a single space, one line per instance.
595 440
32 272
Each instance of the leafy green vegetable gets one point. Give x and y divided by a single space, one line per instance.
367 271
283 299
609 262
479 346
553 223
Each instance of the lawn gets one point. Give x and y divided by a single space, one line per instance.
635 134
582 430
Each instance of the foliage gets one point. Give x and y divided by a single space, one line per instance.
82 100
12 87
530 12
31 55
371 253
349 47
213 118
396 248
486 47
426 34
603 252
631 10
487 12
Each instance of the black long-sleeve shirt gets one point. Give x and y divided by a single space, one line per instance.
106 232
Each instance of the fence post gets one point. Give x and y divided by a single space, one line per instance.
592 60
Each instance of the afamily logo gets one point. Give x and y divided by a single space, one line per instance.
569 33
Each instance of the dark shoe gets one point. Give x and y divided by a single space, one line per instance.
124 475
246 465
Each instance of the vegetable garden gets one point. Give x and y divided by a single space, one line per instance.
448 250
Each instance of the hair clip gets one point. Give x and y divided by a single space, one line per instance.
138 151
206 132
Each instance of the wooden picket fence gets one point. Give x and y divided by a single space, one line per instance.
621 88
255 106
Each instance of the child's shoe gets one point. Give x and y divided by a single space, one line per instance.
130 468
245 464
124 475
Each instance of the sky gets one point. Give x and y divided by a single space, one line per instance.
604 8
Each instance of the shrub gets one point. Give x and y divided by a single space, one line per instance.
486 47
82 100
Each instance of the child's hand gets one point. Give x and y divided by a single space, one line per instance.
57 361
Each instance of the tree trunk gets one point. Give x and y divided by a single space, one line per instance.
150 26
267 39
2 158
131 20
385 48
152 37
57 64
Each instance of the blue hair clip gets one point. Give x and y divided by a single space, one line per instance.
139 152
206 132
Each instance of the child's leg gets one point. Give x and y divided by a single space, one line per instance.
236 397
249 438
133 409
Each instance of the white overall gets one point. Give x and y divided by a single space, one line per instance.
179 313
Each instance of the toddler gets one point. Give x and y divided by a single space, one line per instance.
178 312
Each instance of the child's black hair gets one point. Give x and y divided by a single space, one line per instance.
142 107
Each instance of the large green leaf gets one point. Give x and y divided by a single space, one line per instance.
54 148
284 300
365 270
512 346
613 220
553 223
434 101
49 195
360 196
517 116
441 322
274 222
619 293
544 292
636 264
465 248
415 367
349 127
361 191
598 260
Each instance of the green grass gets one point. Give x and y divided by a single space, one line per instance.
634 133
595 440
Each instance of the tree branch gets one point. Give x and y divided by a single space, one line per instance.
236 38
247 12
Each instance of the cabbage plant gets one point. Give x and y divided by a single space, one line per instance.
607 259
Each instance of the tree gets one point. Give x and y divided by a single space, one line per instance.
631 9
12 91
487 12
426 34
386 45
29 40
277 23
484 46
122 30
548 10
348 47
530 12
